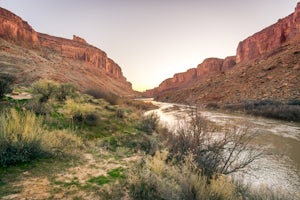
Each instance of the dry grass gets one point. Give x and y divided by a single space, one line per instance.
156 178
62 142
21 135
15 125
24 138
72 108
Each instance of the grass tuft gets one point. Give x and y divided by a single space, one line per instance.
20 137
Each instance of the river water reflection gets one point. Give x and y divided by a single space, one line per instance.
279 171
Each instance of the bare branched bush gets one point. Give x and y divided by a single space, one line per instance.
157 178
221 151
149 123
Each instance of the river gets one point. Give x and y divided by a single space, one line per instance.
278 171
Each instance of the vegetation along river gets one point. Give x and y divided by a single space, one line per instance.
278 171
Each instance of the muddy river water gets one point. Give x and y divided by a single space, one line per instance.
278 171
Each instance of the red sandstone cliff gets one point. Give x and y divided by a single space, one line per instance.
185 79
79 49
61 52
268 41
14 29
270 38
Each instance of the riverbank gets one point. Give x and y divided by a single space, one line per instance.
288 111
281 138
272 109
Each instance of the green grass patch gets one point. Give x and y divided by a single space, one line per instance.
114 174
100 180
68 184
117 173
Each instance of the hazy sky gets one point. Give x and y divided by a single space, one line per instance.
153 39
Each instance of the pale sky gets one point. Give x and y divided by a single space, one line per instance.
153 39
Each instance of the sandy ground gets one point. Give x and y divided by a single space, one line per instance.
90 166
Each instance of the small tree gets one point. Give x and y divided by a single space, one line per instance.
5 83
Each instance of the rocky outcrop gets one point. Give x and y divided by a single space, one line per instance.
228 63
209 65
14 29
79 39
184 79
269 38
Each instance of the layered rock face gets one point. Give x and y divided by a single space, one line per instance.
14 29
267 42
79 49
76 52
270 38
184 79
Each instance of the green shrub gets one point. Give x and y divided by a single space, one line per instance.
44 89
120 113
78 118
91 119
5 83
283 112
294 102
149 123
73 108
289 110
65 90
111 98
20 137
39 108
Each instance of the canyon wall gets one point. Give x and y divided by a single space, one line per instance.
79 49
14 29
184 79
269 38
19 32
285 31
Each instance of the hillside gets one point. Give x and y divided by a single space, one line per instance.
30 55
266 66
